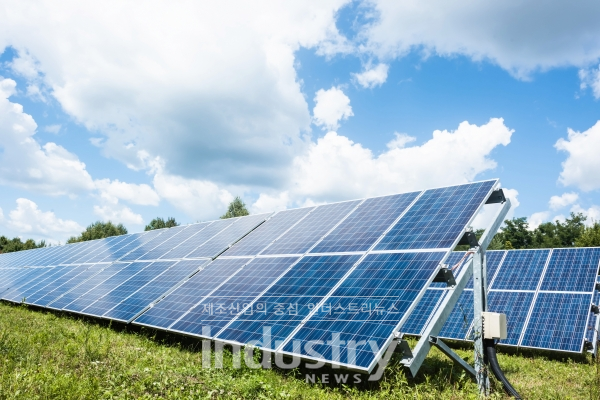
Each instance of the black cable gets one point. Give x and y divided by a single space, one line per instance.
490 353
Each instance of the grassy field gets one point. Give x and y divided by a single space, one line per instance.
45 356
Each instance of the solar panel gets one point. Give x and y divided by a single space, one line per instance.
142 298
36 275
201 237
366 224
121 285
516 306
268 232
220 242
173 306
139 240
459 322
437 218
383 287
558 322
301 288
311 229
33 286
573 270
233 296
69 274
423 311
173 241
87 271
103 247
521 270
139 251
591 333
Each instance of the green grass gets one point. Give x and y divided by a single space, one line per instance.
45 356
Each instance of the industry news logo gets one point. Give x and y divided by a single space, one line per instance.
340 353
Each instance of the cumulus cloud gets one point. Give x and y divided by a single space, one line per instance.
331 106
536 219
336 168
558 202
52 128
113 191
200 199
118 214
28 219
372 76
25 163
519 37
218 81
592 213
581 167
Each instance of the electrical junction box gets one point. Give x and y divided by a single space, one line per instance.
494 325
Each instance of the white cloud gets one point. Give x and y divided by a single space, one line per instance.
335 168
581 167
52 128
331 107
372 77
113 191
218 81
29 220
487 213
518 36
558 202
269 203
536 219
590 78
118 214
25 163
200 199
1 215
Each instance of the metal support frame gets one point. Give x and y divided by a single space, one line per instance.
595 336
432 330
437 342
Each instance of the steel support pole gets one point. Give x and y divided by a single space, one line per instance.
479 305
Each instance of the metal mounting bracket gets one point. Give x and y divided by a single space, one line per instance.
446 276
469 238
448 351
497 196
595 309
598 286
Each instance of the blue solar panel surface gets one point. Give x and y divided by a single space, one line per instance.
173 306
382 289
591 328
521 270
255 242
438 218
366 224
516 307
425 308
234 296
299 290
558 322
573 270
139 300
157 240
174 241
311 229
69 274
87 272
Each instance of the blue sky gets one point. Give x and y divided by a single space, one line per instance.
124 114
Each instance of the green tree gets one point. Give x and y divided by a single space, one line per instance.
99 230
159 223
590 236
516 231
16 244
237 208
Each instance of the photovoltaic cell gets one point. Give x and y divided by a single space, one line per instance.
300 289
124 283
589 335
307 232
104 245
140 239
459 322
218 243
187 246
382 288
125 272
366 224
174 242
438 217
134 254
25 281
125 242
216 310
70 273
137 301
174 305
262 236
516 307
558 322
87 272
423 312
30 288
572 269
521 270
89 283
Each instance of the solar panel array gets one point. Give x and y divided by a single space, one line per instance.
547 295
357 268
